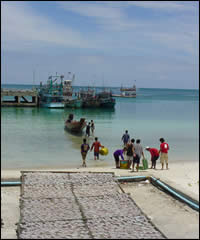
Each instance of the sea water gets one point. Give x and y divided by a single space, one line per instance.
35 137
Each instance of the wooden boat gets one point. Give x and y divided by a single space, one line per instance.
106 100
126 92
91 103
73 103
89 98
73 125
108 103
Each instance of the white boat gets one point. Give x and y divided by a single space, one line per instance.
126 92
67 87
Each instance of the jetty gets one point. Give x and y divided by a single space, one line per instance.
19 98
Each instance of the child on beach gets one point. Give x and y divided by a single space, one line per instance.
164 147
117 154
154 156
96 145
84 150
92 127
138 152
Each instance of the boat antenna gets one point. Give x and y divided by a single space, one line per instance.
93 82
73 77
33 79
69 73
103 81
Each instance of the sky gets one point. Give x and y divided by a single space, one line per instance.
153 44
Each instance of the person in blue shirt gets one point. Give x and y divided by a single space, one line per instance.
125 138
118 153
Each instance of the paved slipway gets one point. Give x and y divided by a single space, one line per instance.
166 214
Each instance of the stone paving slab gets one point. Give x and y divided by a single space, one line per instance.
123 227
118 204
92 178
73 229
45 178
33 210
98 190
47 191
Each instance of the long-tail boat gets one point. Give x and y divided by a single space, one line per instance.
73 125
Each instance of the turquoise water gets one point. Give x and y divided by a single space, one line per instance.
35 137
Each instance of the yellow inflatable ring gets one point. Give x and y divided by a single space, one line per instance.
103 151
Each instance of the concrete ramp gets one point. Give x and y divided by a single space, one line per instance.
71 205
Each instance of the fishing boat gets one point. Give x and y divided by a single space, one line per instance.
51 94
89 99
67 87
73 103
73 125
71 99
126 92
106 100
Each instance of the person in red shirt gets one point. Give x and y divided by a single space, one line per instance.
154 156
164 147
96 145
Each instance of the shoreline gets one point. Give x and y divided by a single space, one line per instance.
183 177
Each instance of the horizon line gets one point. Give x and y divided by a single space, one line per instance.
103 86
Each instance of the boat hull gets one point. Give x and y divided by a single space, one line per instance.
52 105
91 103
73 103
75 126
108 103
118 95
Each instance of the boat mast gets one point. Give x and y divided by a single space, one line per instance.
134 86
33 79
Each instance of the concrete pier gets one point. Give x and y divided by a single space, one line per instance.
20 98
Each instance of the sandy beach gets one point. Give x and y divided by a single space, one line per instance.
183 177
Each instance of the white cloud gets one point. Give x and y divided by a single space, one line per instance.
114 32
167 5
93 9
22 28
120 29
108 16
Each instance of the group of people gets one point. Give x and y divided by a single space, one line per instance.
90 126
134 152
85 147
